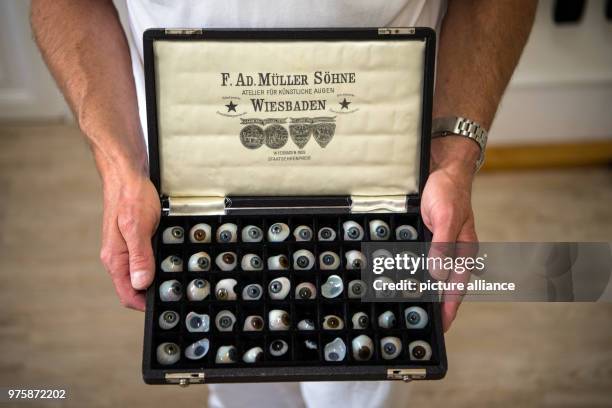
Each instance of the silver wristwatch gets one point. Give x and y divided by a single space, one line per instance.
459 126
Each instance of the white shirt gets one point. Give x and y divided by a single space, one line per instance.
144 14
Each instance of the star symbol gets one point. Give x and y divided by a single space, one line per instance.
231 106
344 104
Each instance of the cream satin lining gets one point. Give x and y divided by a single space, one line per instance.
375 149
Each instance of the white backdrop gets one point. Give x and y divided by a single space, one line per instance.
561 91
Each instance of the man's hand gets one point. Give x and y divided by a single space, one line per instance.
131 215
447 207
88 55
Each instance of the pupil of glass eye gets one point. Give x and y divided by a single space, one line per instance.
418 352
363 321
305 293
195 322
389 348
333 356
413 317
381 231
302 261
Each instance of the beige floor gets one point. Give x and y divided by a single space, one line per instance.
60 324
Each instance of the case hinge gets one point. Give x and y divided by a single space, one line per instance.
406 374
184 379
396 30
378 204
183 31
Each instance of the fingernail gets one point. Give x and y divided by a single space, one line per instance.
139 279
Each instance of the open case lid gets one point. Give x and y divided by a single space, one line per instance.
322 118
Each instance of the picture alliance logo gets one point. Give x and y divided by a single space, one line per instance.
275 133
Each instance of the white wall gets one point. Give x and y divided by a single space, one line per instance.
562 88
561 91
27 90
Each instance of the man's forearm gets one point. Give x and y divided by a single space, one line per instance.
84 45
479 46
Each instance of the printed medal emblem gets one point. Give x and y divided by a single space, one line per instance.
252 136
323 133
300 134
276 136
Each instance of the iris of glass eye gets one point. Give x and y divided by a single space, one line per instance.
357 288
199 235
257 323
254 233
419 351
275 287
177 232
353 232
195 322
283 261
413 318
305 293
390 348
276 228
381 231
277 345
203 262
326 233
253 291
328 260
404 234
305 234
363 321
333 322
228 258
171 349
176 288
357 263
169 317
256 262
175 260
222 293
225 236
225 322
199 350
302 261
364 353
199 283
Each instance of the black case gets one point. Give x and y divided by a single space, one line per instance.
314 211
